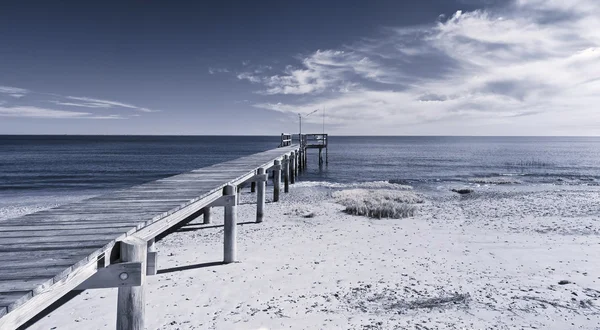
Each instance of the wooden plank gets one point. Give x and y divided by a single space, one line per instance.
32 273
25 285
13 298
52 246
64 237
21 313
6 230
65 232
26 256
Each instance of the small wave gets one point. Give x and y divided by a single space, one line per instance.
494 180
365 185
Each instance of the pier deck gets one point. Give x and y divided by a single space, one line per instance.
97 243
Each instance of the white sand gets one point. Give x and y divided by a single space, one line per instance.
490 260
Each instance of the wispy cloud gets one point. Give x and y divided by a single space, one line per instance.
532 66
83 105
217 70
13 91
97 103
37 112
20 102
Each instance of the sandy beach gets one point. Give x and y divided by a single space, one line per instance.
503 257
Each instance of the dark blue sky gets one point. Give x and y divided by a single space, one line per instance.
201 67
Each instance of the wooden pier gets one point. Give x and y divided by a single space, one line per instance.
315 141
108 241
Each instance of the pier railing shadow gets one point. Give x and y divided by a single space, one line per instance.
199 226
188 267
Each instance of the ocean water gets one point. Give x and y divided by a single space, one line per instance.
42 171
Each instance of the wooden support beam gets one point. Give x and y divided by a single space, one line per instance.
125 274
276 180
300 164
230 244
131 304
260 197
206 212
286 174
253 187
225 200
152 261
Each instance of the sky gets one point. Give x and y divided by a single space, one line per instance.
377 67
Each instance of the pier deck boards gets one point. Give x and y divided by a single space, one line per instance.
46 254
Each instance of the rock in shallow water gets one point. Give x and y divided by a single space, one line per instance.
463 191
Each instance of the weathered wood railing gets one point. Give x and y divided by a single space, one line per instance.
286 140
108 241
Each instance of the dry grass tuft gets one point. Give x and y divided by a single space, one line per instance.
378 203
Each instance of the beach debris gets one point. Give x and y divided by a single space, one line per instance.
375 299
463 191
379 204
302 211
563 282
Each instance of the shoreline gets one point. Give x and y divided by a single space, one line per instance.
492 260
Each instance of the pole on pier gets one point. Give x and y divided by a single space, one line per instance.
229 230
130 299
300 167
260 197
253 186
276 180
206 212
293 167
286 174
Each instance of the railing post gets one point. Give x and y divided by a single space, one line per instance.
260 197
253 187
276 180
229 230
130 299
286 174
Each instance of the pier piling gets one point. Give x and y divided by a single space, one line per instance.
286 174
260 197
276 180
130 301
293 168
229 230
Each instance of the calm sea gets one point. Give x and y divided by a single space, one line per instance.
37 170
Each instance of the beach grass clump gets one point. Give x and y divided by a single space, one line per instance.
394 204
